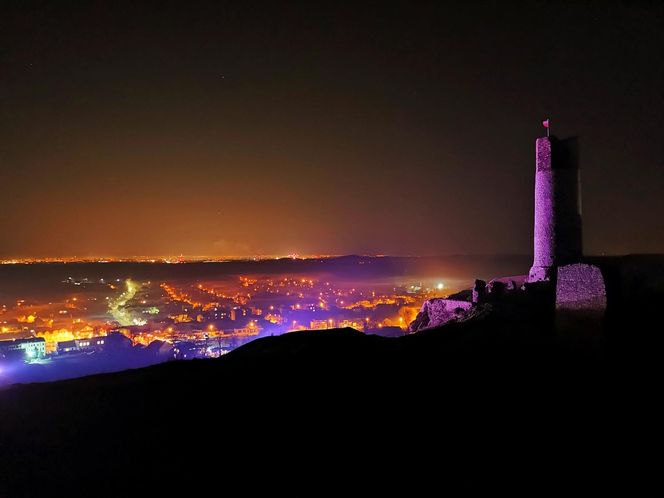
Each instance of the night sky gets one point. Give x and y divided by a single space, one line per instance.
242 128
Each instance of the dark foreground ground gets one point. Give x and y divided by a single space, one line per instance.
495 406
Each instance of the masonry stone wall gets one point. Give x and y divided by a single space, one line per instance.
580 302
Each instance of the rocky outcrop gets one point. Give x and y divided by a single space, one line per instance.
437 312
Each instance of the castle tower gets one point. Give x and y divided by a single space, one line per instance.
557 239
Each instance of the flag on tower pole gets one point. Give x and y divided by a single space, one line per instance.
545 123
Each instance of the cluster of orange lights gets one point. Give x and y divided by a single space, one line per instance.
182 297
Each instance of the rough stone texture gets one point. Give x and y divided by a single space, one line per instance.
439 311
580 301
557 237
544 219
580 287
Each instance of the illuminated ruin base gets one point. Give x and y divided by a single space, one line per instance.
580 287
541 273
580 301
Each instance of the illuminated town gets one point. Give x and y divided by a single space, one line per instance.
86 318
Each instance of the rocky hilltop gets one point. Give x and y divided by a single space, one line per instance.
584 302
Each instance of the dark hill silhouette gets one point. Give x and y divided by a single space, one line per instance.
483 405
498 404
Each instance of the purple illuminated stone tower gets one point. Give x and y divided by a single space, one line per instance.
558 239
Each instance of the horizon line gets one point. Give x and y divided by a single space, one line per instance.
143 258
266 257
